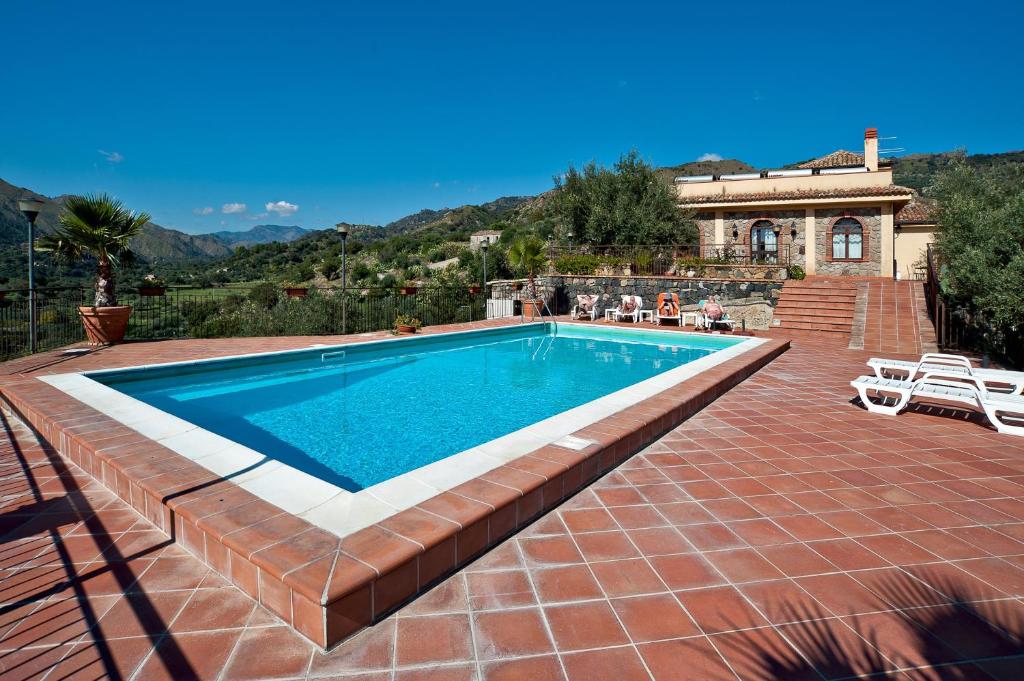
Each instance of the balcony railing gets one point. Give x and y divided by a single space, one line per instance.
661 261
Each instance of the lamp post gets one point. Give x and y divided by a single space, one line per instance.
483 247
569 237
30 208
343 231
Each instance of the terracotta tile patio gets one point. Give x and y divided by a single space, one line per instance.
782 532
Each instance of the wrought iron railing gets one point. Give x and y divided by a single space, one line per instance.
228 311
661 261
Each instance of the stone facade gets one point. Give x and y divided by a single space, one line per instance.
788 220
870 219
706 227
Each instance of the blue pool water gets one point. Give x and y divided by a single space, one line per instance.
376 410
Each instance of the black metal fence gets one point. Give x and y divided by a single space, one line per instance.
180 312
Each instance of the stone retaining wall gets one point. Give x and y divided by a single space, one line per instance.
753 300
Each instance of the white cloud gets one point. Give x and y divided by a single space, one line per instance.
232 208
112 156
258 216
709 157
205 210
282 208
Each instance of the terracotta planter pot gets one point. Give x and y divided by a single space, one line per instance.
296 292
402 328
105 325
151 291
533 308
475 289
408 290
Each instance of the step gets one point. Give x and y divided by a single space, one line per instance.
816 326
807 316
828 309
827 321
840 286
813 300
816 305
813 293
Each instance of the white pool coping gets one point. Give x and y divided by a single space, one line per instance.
337 510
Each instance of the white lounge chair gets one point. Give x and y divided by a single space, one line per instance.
1004 411
677 317
635 314
578 312
995 379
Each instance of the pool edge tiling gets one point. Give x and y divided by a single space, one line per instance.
342 512
325 586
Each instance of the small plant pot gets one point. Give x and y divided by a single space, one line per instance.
408 290
475 289
151 291
296 292
105 325
402 328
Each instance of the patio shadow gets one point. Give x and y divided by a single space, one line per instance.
926 620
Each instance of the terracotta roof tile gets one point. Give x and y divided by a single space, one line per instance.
797 195
840 158
917 211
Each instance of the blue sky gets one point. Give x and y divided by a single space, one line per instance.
313 112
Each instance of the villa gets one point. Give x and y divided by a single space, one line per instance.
837 215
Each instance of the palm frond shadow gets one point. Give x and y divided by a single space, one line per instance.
942 623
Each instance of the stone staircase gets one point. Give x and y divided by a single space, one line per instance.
817 305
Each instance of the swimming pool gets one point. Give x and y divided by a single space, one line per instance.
393 422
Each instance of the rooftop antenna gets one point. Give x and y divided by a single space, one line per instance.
890 150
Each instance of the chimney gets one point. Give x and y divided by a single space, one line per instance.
871 148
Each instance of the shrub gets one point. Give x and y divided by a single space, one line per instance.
264 295
795 272
577 264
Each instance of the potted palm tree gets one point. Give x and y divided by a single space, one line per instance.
526 254
99 226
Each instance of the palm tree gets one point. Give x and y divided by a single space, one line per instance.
100 226
526 254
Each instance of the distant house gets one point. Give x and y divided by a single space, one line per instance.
486 236
839 214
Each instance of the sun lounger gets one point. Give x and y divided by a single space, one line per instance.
995 379
1004 411
678 316
635 314
579 310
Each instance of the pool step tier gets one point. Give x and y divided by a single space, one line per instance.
819 305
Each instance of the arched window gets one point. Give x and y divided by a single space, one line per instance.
847 240
764 243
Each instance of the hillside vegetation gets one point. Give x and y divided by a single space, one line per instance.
416 247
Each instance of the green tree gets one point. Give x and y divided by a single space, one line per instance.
101 227
628 204
981 244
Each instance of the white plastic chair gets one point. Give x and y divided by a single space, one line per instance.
635 314
578 313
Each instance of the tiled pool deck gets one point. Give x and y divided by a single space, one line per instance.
780 518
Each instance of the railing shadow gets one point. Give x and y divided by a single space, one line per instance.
113 562
949 626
